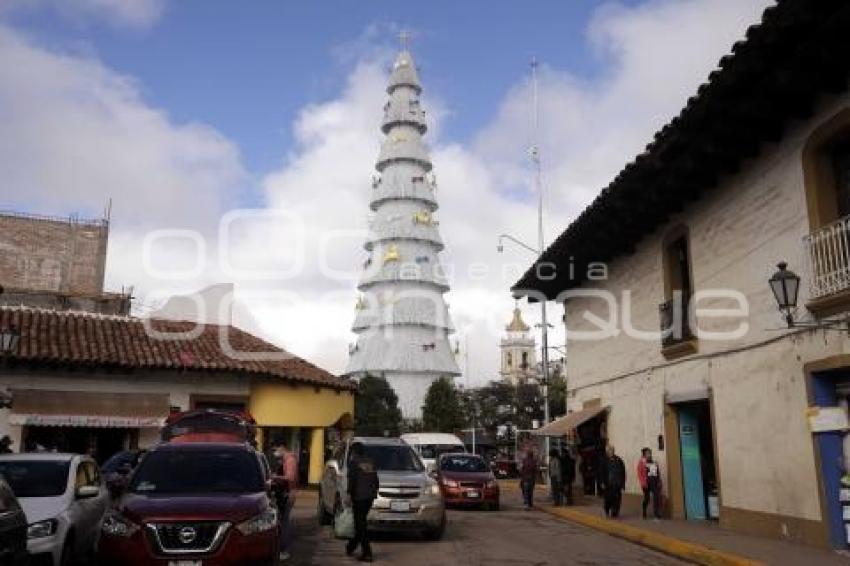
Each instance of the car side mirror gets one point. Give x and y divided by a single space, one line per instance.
124 469
87 491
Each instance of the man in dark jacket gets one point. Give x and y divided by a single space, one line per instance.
556 476
568 475
362 490
528 477
614 478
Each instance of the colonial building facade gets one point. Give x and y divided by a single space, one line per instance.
734 402
85 382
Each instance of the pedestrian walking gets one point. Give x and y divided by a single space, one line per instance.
650 482
556 478
614 481
568 475
362 491
286 463
528 477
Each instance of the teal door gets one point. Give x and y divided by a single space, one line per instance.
691 464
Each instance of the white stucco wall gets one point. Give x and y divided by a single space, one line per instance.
738 232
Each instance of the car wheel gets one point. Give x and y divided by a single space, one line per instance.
436 533
324 517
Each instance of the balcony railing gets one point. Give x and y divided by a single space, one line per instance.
827 252
675 322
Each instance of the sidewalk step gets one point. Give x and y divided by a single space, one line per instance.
685 550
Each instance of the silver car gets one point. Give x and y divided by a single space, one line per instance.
408 498
64 499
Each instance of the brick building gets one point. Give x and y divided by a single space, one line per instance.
56 263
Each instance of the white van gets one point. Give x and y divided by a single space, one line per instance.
429 445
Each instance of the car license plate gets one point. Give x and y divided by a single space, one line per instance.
473 494
185 563
400 506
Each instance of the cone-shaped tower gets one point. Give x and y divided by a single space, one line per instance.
402 320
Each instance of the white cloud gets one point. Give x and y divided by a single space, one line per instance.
79 133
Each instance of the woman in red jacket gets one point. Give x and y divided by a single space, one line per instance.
650 482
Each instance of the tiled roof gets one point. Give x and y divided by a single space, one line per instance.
92 340
775 75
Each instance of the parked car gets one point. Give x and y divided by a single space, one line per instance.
408 498
13 528
194 503
467 480
64 499
505 468
429 445
117 469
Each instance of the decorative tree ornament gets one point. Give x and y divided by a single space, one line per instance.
422 217
392 254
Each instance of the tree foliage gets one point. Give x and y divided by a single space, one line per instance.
376 411
443 411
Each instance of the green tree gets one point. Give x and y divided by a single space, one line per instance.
376 411
443 411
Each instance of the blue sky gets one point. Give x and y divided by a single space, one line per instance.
179 111
247 68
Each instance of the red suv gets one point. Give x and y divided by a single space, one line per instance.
193 504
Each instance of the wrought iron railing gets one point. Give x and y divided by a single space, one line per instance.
827 252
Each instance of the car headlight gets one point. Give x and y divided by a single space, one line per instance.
117 526
450 483
265 521
42 529
434 489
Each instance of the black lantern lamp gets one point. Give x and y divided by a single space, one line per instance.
785 285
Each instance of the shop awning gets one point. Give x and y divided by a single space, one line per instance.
34 407
562 426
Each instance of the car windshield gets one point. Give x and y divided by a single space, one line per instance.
462 464
198 471
36 478
433 451
394 458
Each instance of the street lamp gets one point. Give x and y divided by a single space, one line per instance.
785 285
544 335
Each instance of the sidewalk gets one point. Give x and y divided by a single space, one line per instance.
701 542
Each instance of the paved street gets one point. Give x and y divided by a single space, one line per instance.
511 536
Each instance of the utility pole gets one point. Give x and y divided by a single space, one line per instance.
538 183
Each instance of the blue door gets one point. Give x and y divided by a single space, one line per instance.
691 464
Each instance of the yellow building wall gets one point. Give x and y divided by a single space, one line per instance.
283 405
273 404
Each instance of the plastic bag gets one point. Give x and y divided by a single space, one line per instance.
344 524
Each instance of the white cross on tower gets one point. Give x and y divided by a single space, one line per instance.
404 39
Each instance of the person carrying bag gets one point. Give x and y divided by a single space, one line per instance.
362 491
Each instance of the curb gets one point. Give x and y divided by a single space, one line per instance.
677 548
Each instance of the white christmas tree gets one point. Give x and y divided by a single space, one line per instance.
402 319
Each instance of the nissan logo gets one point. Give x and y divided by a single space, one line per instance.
187 535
